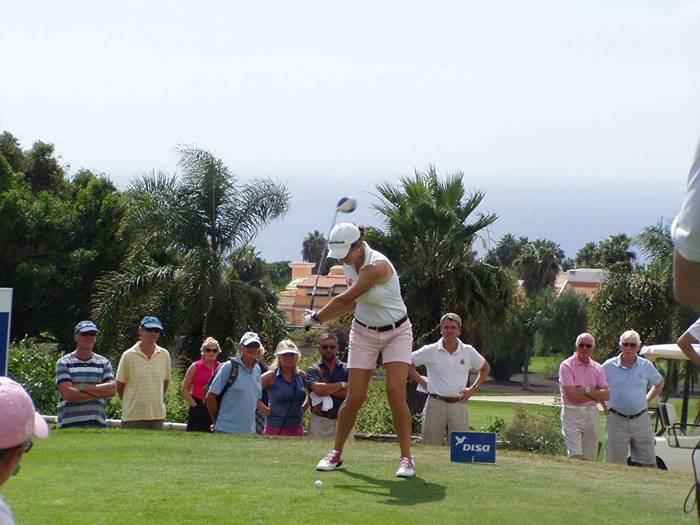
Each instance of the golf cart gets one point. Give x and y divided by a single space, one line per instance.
675 437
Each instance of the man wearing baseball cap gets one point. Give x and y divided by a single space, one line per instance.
143 377
84 380
19 423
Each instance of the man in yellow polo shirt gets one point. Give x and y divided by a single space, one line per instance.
143 377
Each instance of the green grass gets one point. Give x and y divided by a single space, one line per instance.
133 476
546 364
481 412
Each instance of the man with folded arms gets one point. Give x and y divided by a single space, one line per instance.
143 377
583 385
84 380
628 426
448 363
327 380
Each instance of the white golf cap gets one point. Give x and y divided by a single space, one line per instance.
249 338
343 235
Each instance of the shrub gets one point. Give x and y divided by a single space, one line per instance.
496 425
33 364
176 406
375 416
534 432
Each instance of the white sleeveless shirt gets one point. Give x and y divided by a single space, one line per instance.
382 304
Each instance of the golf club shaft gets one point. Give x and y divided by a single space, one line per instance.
322 261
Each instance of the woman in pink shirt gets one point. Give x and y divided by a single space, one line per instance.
196 379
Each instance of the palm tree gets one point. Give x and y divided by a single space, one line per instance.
312 249
429 239
538 264
184 234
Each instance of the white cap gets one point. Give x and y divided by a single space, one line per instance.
343 235
250 337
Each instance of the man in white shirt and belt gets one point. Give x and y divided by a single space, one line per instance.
448 363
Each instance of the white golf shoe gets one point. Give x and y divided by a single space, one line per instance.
331 462
407 468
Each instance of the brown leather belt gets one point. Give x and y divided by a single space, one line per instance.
445 399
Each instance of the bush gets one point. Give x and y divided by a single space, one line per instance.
496 425
33 364
534 432
176 406
375 416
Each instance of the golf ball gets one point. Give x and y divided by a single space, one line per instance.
318 483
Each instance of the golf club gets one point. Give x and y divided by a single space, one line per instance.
346 205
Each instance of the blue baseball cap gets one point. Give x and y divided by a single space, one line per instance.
85 326
151 322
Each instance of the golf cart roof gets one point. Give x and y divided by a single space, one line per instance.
667 351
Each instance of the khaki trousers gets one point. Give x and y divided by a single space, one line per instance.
441 418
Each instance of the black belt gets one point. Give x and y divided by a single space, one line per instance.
633 416
445 399
385 327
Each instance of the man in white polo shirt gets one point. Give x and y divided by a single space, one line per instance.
448 363
583 385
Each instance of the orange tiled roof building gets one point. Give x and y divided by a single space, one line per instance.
297 296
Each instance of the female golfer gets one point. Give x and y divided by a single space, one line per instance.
381 326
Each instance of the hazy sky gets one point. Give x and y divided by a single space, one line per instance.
540 103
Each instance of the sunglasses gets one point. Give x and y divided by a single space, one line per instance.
27 448
211 350
152 330
88 334
633 345
328 347
585 345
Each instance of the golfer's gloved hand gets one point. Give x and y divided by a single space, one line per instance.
310 318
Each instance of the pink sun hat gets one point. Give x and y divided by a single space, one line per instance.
19 419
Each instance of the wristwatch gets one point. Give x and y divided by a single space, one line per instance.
587 390
81 387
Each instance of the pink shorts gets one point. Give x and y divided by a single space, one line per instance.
366 345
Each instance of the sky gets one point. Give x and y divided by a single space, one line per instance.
578 120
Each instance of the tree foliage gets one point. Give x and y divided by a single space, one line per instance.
609 252
58 236
431 224
312 249
189 259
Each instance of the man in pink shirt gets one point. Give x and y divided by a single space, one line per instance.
583 385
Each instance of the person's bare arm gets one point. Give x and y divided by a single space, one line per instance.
343 303
120 389
484 372
212 407
187 386
685 343
72 393
102 390
655 391
686 281
576 393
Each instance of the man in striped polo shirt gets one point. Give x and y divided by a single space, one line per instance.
84 380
